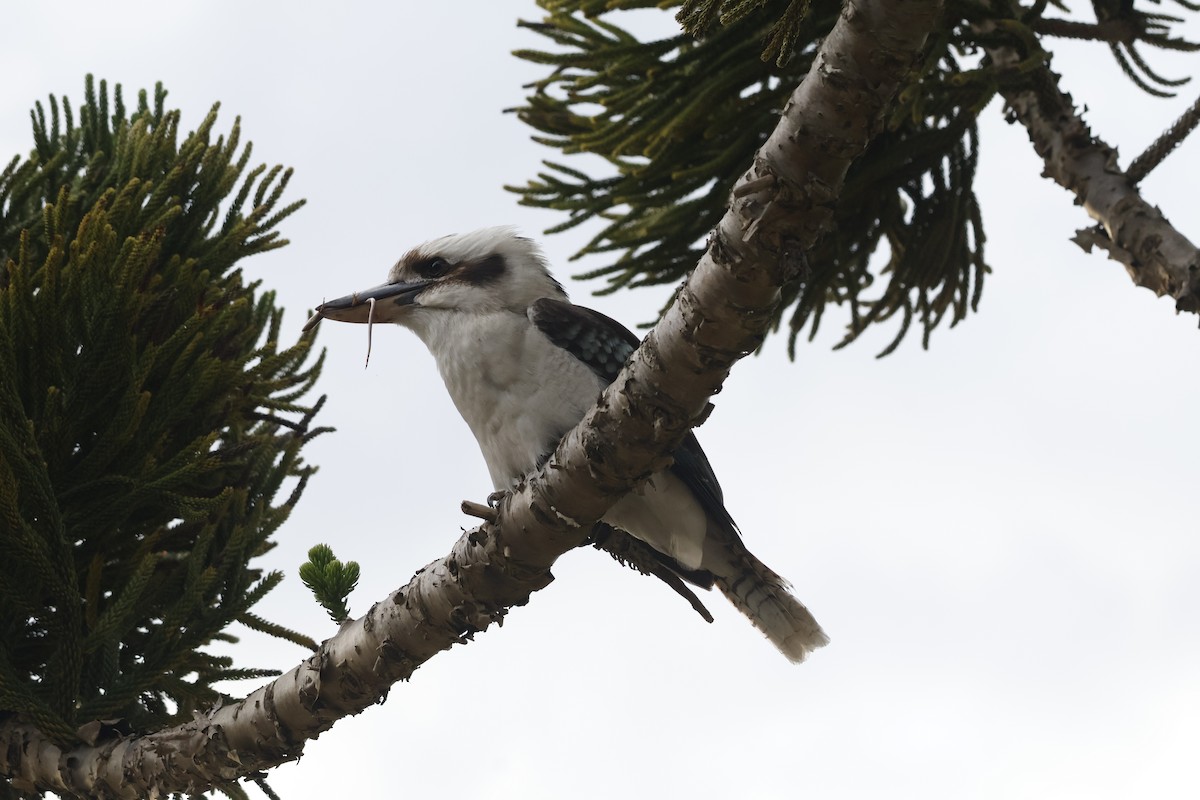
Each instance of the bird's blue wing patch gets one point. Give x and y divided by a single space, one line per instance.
600 342
691 466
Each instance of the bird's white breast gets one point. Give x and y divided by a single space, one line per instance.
518 392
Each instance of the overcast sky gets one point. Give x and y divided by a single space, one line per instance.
998 534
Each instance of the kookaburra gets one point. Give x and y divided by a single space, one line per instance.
523 365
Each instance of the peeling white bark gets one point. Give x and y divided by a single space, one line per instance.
783 202
1154 253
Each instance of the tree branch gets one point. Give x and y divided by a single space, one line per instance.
1120 29
719 316
1132 231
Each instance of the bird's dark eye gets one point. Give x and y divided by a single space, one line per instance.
434 267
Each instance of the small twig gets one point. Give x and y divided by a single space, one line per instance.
1112 30
260 780
756 185
312 412
479 511
298 427
1144 164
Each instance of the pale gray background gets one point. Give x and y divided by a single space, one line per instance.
999 534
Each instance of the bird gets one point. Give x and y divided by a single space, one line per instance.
523 365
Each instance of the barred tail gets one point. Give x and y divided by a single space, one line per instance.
766 600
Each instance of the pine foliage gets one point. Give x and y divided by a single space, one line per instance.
151 424
330 580
676 120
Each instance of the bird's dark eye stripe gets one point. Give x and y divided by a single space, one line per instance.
432 267
483 272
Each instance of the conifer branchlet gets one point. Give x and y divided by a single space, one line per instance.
151 422
678 118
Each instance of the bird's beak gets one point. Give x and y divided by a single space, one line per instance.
389 299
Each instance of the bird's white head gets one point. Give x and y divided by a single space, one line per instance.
481 272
